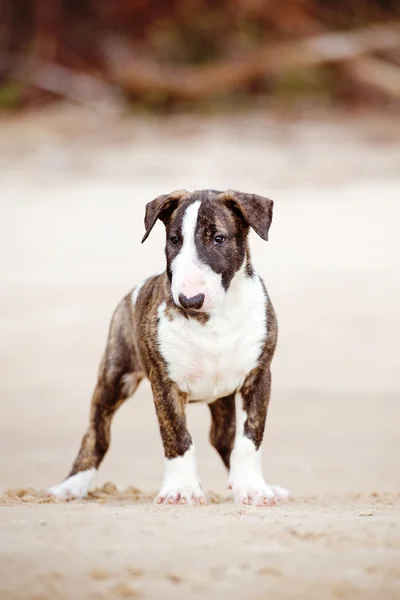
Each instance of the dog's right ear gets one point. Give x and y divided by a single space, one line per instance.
161 208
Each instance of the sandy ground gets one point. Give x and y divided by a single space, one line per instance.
72 192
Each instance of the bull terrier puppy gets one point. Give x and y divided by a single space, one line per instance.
202 331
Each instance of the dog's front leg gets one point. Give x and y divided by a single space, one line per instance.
181 481
245 476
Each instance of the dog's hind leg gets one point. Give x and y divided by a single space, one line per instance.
223 426
119 376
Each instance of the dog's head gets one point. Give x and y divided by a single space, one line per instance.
206 241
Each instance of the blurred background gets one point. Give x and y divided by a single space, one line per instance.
103 106
161 55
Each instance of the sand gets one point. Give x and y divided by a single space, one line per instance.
73 188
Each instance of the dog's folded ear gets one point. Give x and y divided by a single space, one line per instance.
161 208
255 210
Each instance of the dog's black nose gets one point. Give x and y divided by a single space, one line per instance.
193 302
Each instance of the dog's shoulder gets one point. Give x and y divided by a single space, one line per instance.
145 300
148 293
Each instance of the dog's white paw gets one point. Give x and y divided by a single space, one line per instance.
257 493
187 493
181 483
76 486
245 476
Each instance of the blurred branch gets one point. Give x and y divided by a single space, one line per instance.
75 87
375 73
138 74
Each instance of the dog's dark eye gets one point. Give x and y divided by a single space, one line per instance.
219 239
174 239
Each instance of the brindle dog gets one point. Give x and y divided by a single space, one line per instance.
204 330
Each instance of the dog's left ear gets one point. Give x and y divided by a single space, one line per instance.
161 208
256 210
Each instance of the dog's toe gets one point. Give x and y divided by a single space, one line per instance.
168 498
260 495
185 496
280 492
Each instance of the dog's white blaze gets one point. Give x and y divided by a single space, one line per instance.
208 361
76 486
181 479
190 276
245 476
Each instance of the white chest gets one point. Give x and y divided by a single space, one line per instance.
209 361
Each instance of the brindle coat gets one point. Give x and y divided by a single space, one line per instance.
132 347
